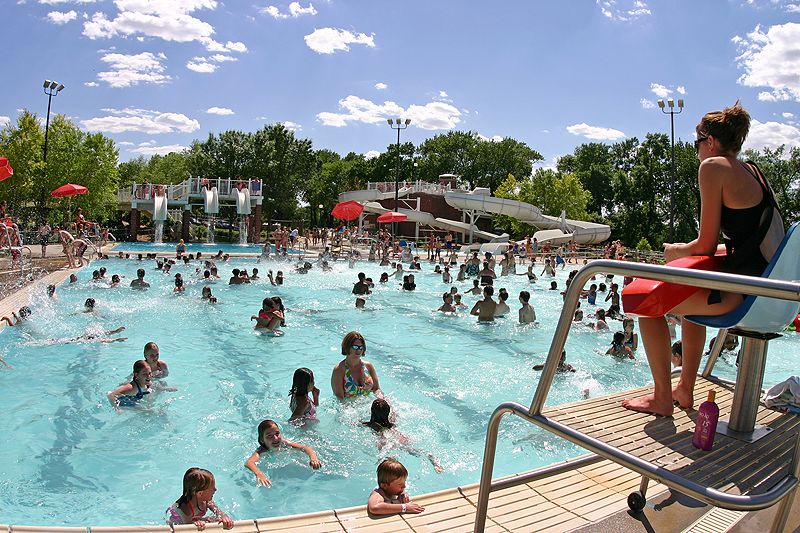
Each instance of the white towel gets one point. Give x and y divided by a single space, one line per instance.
784 393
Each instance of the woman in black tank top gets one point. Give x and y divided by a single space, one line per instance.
722 178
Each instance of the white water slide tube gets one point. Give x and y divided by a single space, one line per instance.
211 201
372 195
159 207
555 229
423 217
243 201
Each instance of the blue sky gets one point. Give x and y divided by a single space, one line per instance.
156 74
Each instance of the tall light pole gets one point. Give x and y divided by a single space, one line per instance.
397 124
669 109
51 89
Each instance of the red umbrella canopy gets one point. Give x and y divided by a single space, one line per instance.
5 169
392 216
348 210
70 189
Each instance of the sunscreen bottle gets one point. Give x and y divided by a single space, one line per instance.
706 424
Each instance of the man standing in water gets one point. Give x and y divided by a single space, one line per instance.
484 309
139 282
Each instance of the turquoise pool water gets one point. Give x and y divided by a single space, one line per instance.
65 446
168 248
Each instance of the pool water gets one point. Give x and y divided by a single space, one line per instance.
65 446
168 248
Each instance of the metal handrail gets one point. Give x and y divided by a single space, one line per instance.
787 290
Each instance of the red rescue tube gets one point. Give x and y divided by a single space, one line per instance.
651 298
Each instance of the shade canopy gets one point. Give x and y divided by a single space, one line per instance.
70 189
5 169
392 216
348 210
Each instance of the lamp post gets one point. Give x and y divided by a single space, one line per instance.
669 109
51 89
397 124
321 207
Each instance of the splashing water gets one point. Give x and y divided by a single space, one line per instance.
210 231
158 231
243 230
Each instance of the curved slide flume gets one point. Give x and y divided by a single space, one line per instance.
211 201
554 229
423 217
159 207
243 201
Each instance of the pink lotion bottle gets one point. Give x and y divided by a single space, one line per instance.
706 424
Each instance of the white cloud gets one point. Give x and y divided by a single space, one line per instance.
147 143
159 150
771 135
219 111
5 121
221 58
58 17
681 90
236 46
660 90
124 143
381 86
628 11
141 120
329 40
295 10
430 116
57 2
772 59
493 138
647 104
127 70
786 114
199 64
291 126
372 154
442 94
91 84
595 132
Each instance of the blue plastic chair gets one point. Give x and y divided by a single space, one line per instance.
757 320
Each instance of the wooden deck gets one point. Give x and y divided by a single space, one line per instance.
731 466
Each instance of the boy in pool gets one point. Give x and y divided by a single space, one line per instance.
270 439
139 282
527 315
476 287
484 309
447 306
563 366
390 497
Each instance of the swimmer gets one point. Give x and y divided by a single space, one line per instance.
255 274
502 308
531 276
269 438
158 367
73 278
618 348
95 337
447 306
457 303
553 286
360 303
476 287
548 269
380 422
462 273
115 281
384 278
179 284
89 305
600 324
677 354
269 317
446 277
17 319
527 314
353 376
130 393
487 275
139 282
563 366
301 405
196 502
484 309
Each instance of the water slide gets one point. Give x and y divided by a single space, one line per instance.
211 201
423 217
556 230
242 201
159 207
372 195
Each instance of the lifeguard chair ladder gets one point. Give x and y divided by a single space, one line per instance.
751 467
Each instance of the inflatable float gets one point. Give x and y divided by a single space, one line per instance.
651 298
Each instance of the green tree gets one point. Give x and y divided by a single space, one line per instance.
782 168
22 145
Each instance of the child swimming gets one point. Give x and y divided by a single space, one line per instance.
269 438
390 497
618 348
195 504
301 405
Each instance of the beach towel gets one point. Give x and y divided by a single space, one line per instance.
785 394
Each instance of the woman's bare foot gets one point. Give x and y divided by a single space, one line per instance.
648 404
683 398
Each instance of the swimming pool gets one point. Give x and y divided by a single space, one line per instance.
191 248
443 376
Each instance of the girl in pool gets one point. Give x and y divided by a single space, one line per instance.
618 347
17 319
269 316
196 502
179 284
269 438
302 406
380 422
353 376
141 385
631 338
158 367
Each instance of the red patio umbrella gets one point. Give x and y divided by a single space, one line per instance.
70 189
348 210
5 169
392 216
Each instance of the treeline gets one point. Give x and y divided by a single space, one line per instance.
626 184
